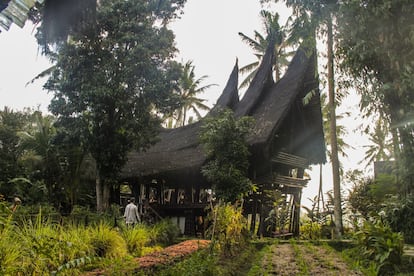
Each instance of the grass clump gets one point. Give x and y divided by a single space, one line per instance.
137 238
106 242
202 262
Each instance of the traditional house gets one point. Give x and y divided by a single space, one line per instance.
286 138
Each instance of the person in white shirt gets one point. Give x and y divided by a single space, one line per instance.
131 214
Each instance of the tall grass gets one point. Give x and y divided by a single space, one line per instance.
9 249
43 245
106 242
137 238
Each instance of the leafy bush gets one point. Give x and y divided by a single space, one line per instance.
228 229
310 230
224 139
164 232
400 216
106 241
379 247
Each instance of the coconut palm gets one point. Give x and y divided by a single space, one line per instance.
39 152
189 88
309 17
381 146
259 45
341 131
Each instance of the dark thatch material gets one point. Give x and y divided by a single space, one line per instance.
270 104
275 103
179 149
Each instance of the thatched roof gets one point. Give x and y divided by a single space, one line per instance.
178 150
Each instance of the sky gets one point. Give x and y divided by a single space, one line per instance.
19 63
207 34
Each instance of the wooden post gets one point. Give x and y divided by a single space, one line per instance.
296 215
254 212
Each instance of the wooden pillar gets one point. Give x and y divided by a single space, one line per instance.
301 173
135 189
296 215
189 226
188 194
254 212
261 229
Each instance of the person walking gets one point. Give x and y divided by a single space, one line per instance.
131 214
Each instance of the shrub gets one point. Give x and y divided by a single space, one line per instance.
164 232
310 230
400 216
228 229
378 246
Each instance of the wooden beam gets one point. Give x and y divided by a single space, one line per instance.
290 159
287 181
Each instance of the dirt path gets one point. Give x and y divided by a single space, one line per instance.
281 261
288 259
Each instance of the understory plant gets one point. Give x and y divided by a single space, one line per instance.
310 230
378 247
165 232
9 250
136 238
106 241
399 213
228 228
202 262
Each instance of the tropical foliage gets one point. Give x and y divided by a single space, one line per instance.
228 228
108 79
308 18
188 89
260 43
224 140
371 52
379 247
69 249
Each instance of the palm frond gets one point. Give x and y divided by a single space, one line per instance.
247 80
249 41
42 74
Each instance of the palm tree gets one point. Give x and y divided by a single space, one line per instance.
381 146
189 88
340 130
36 143
310 16
259 45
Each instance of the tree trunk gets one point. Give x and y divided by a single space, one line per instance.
106 195
99 193
277 69
334 142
